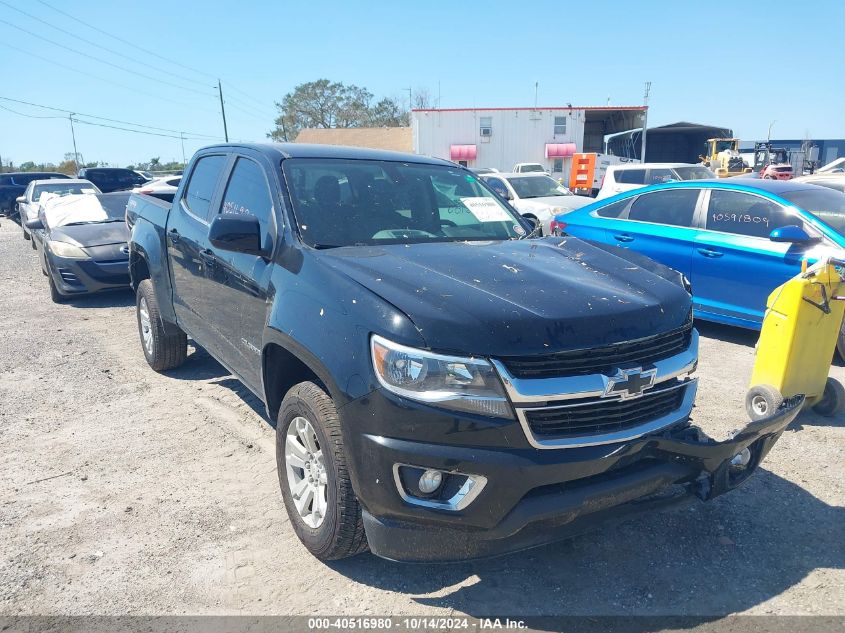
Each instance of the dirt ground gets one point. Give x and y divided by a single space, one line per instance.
123 491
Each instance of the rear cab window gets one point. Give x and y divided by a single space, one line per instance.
196 198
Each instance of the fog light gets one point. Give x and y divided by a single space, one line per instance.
430 481
741 459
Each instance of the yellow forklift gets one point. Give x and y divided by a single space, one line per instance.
722 156
802 322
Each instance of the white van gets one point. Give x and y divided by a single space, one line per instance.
621 178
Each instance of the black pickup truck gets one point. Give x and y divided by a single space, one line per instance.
444 384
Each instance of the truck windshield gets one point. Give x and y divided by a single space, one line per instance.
826 204
339 202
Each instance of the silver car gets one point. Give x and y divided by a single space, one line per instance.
30 202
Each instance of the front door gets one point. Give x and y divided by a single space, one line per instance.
239 281
187 243
735 264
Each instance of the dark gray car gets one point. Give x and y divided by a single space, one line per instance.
85 255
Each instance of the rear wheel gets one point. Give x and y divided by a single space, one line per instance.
162 350
761 401
833 399
314 478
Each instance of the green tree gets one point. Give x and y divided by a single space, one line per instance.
328 104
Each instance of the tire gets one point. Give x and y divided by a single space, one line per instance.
339 532
26 235
32 244
761 401
55 295
163 351
833 399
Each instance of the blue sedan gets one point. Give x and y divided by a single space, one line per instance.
736 241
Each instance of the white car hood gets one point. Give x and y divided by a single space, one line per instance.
544 206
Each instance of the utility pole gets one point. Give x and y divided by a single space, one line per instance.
410 100
536 93
645 120
182 139
769 135
73 135
223 111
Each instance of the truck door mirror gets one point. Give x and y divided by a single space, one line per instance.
791 233
20 199
238 233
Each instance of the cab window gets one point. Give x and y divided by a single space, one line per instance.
675 207
247 193
201 186
746 214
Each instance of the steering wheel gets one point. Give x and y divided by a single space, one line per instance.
445 222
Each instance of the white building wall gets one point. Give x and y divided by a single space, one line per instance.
519 135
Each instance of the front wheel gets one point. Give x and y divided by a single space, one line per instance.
55 295
314 478
162 350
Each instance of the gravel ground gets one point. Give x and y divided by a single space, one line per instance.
123 491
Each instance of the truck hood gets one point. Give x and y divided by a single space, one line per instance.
517 297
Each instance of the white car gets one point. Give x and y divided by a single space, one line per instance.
619 178
537 197
30 202
163 188
529 168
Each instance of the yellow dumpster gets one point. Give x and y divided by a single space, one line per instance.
800 328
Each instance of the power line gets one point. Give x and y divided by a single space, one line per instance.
31 116
98 78
126 129
101 118
127 42
100 46
103 61
147 51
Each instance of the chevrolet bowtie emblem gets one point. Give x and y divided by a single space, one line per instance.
628 383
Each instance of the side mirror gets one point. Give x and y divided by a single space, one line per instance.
34 225
791 233
238 233
20 199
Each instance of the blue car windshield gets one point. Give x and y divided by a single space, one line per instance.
826 204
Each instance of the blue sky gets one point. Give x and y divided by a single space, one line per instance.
736 64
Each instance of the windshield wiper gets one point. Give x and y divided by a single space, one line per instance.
324 246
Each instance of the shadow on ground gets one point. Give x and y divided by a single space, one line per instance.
708 560
111 299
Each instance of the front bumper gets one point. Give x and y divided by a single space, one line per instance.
86 276
531 497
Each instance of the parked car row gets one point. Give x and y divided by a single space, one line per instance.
445 384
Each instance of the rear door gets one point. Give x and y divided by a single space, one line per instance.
662 225
735 264
240 282
187 246
626 180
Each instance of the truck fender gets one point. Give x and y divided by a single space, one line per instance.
147 261
286 362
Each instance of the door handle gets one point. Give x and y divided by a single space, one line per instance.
623 237
174 236
707 252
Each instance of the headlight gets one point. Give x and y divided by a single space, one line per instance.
451 382
63 249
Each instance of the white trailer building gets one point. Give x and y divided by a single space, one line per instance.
502 137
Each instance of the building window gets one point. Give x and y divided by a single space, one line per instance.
560 125
462 163
486 126
557 167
